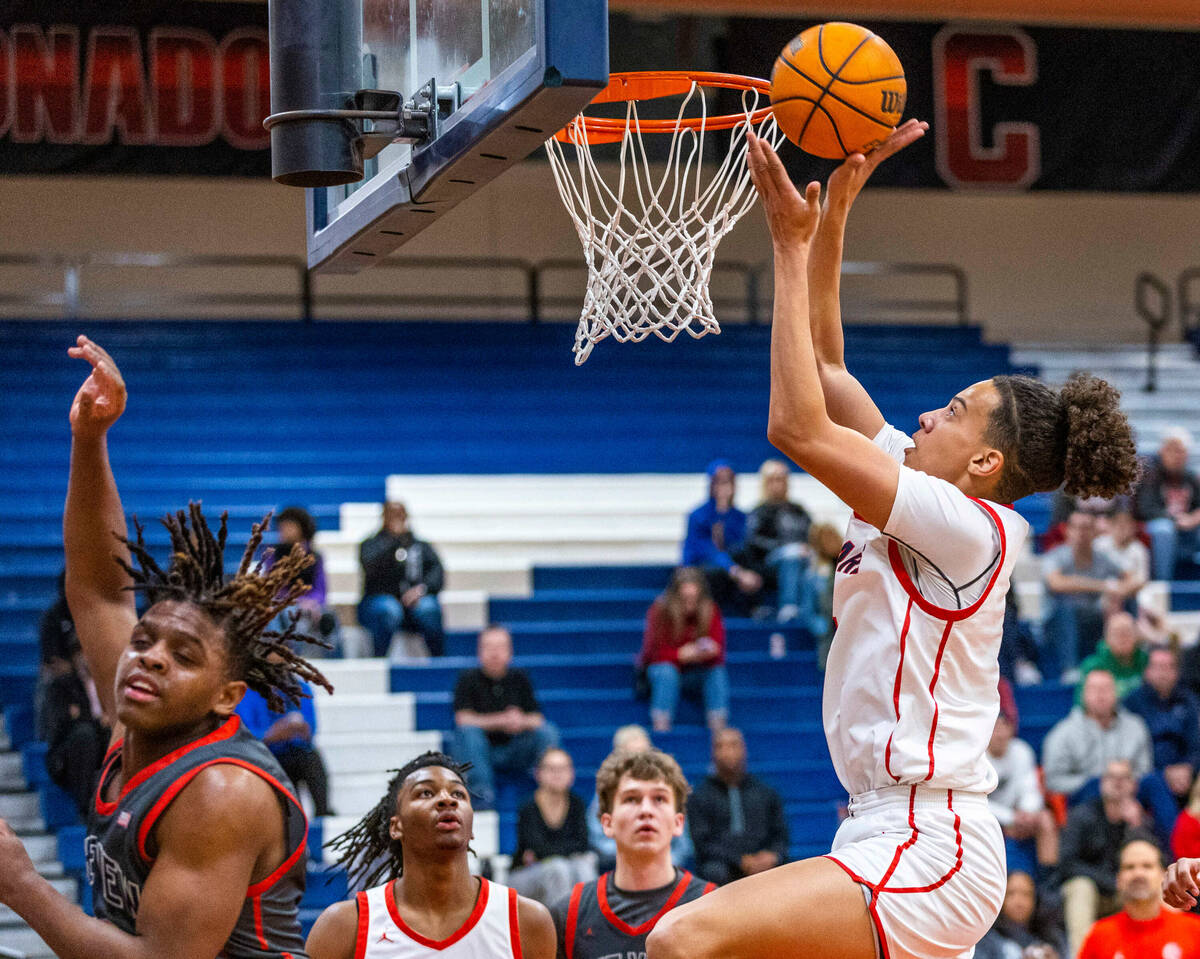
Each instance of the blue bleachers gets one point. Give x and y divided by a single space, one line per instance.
249 416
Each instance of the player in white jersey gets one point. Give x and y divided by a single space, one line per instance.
917 869
417 837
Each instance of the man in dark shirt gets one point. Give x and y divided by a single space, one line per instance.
499 724
1172 715
1168 502
643 797
737 821
402 576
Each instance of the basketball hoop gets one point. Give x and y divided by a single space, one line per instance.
650 245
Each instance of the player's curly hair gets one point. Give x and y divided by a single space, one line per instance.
242 605
1076 437
367 849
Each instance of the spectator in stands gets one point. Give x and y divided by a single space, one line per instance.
1078 748
1019 653
552 834
498 722
1120 655
296 529
1120 539
1083 585
629 739
1185 837
1168 502
1030 833
715 541
737 821
825 540
1143 929
402 576
1172 715
777 544
1091 839
1022 930
290 738
683 651
58 644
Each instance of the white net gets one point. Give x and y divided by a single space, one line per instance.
650 239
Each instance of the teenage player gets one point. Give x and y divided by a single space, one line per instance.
917 869
643 796
430 905
195 842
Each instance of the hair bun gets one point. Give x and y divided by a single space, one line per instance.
1101 457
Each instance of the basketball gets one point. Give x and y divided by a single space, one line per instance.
837 89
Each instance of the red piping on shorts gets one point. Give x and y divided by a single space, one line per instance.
871 911
958 854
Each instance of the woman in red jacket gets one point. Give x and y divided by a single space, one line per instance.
684 651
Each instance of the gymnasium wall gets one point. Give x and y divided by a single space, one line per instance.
1040 266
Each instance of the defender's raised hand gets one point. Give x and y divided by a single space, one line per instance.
847 180
1181 884
792 217
101 399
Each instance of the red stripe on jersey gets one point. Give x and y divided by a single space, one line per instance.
364 923
389 897
937 612
645 927
107 808
937 668
514 924
709 888
573 919
225 731
874 913
887 751
258 926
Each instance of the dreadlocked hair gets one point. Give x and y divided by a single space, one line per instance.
242 605
367 849
1077 438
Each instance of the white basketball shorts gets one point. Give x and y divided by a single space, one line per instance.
932 866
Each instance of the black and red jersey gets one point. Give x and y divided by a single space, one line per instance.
601 921
120 846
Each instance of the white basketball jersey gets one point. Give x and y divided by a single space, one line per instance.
911 682
490 932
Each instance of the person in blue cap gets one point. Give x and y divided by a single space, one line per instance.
715 540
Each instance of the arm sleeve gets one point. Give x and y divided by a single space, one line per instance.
376 552
757 536
777 837
706 834
1060 773
319 587
698 547
463 689
655 648
716 632
433 575
525 838
526 696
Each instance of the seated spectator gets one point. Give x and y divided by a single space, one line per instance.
1185 837
629 739
289 736
1172 715
402 576
1120 654
498 722
1143 929
777 544
296 529
1030 833
1083 585
1168 502
552 835
1078 747
716 537
1121 540
1022 930
825 541
683 651
737 821
1091 840
58 645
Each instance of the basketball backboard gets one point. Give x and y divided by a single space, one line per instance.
508 74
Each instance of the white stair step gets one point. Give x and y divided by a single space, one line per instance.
12 771
354 677
395 711
461 609
22 811
365 752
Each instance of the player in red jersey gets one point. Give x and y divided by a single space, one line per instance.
417 839
1144 928
195 842
910 701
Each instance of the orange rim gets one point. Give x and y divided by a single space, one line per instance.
653 84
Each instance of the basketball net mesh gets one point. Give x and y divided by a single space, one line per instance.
650 245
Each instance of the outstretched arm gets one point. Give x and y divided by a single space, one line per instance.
103 610
799 424
848 403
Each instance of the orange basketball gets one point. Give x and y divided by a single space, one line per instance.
837 89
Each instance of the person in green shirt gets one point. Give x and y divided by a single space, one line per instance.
1121 654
